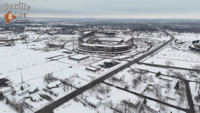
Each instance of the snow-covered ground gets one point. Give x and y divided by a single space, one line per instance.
6 108
179 54
178 58
148 83
27 64
113 100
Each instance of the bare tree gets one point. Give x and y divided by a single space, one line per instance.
196 67
49 78
179 75
168 85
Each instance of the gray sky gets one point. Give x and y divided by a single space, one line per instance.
112 8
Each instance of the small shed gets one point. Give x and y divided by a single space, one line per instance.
93 102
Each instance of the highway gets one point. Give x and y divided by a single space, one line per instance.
49 108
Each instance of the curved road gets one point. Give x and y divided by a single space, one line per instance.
49 108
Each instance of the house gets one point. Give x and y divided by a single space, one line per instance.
54 84
195 45
116 78
55 44
100 97
35 98
33 90
92 68
4 43
133 103
93 102
109 64
153 109
21 93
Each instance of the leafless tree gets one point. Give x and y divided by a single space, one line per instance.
49 78
168 86
179 75
110 104
196 67
158 92
135 83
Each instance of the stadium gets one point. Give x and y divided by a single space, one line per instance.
109 43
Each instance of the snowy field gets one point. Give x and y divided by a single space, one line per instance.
113 100
178 54
29 64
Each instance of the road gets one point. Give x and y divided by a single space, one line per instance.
188 94
49 108
189 97
165 66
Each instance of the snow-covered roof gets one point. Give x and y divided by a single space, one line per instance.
166 78
92 100
31 89
101 45
36 97
53 84
92 68
100 96
56 43
134 100
86 32
79 56
154 108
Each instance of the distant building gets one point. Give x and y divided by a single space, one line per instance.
92 68
55 44
78 57
134 103
99 42
195 46
54 84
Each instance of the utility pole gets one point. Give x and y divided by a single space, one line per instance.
21 75
138 39
132 40
73 41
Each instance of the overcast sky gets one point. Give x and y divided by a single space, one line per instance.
112 8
